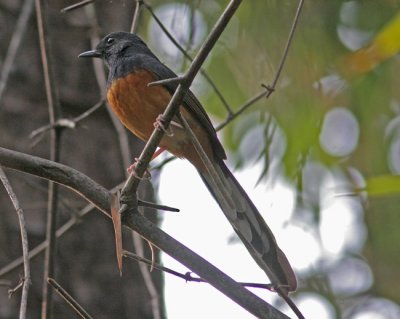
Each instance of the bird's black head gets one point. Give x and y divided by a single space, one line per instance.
117 45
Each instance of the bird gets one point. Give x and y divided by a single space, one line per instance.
132 66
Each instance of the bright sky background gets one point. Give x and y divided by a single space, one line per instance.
203 227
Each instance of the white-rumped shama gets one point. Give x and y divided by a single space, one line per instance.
132 66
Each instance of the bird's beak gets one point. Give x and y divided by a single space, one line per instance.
90 54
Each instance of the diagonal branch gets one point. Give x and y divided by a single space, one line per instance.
69 299
101 198
76 6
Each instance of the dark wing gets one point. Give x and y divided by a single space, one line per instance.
190 102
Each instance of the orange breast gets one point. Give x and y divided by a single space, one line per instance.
136 104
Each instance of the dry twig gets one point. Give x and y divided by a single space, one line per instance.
25 282
14 44
69 299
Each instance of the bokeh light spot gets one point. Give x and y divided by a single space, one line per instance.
189 30
340 132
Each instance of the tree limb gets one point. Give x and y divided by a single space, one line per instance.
101 198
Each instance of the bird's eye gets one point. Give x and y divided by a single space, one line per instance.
110 41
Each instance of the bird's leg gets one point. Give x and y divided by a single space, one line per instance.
131 169
160 124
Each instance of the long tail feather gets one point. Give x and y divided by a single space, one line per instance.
252 229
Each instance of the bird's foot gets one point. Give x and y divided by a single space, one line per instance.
160 124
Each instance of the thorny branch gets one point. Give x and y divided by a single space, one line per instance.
188 275
74 220
101 198
267 92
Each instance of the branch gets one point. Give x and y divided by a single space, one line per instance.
75 219
66 123
101 198
155 302
68 299
136 16
76 6
287 46
25 247
14 43
54 111
188 275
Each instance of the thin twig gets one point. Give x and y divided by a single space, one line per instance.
187 55
177 79
67 123
24 239
244 107
59 124
76 5
42 246
74 220
148 281
188 275
19 32
136 16
54 111
268 89
12 291
287 46
69 299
